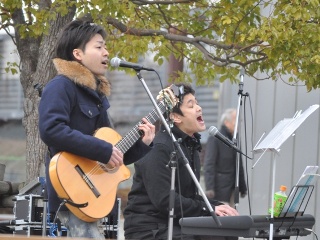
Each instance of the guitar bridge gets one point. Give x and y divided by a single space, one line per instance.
87 181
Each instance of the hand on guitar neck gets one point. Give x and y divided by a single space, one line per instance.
116 159
148 130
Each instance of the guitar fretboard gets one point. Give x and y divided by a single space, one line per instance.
134 134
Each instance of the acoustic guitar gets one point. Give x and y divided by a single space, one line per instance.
89 187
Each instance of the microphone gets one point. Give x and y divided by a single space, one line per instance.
117 62
213 131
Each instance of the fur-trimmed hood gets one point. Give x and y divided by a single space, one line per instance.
82 76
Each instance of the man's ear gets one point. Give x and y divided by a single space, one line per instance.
174 117
77 53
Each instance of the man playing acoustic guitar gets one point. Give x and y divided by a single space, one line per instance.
72 109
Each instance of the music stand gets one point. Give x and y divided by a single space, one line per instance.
272 142
300 193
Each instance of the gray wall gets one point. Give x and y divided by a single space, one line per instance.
11 94
272 102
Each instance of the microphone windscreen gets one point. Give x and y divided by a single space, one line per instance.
115 62
213 130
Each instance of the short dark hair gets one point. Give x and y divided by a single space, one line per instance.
76 35
184 89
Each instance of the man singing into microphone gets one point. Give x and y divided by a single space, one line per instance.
147 213
73 106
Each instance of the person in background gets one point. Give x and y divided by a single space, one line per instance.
147 212
73 106
220 164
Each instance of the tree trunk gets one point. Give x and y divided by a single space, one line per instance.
36 68
35 149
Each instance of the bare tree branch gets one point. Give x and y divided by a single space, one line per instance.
199 43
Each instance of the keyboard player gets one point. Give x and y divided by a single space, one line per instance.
147 212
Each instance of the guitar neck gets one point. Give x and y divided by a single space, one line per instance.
134 134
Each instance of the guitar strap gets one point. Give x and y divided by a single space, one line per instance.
77 205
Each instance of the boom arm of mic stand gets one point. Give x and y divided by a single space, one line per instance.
180 150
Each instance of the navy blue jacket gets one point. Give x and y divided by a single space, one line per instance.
73 106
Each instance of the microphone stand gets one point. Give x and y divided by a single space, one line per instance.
173 167
235 133
45 212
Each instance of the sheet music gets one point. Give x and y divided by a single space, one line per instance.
297 200
283 130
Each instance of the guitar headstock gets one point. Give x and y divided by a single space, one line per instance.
169 96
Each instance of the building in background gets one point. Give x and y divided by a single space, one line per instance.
11 94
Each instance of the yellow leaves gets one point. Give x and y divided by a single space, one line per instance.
12 4
243 37
226 20
286 63
12 67
230 33
316 59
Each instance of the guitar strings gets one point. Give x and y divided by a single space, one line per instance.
125 143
